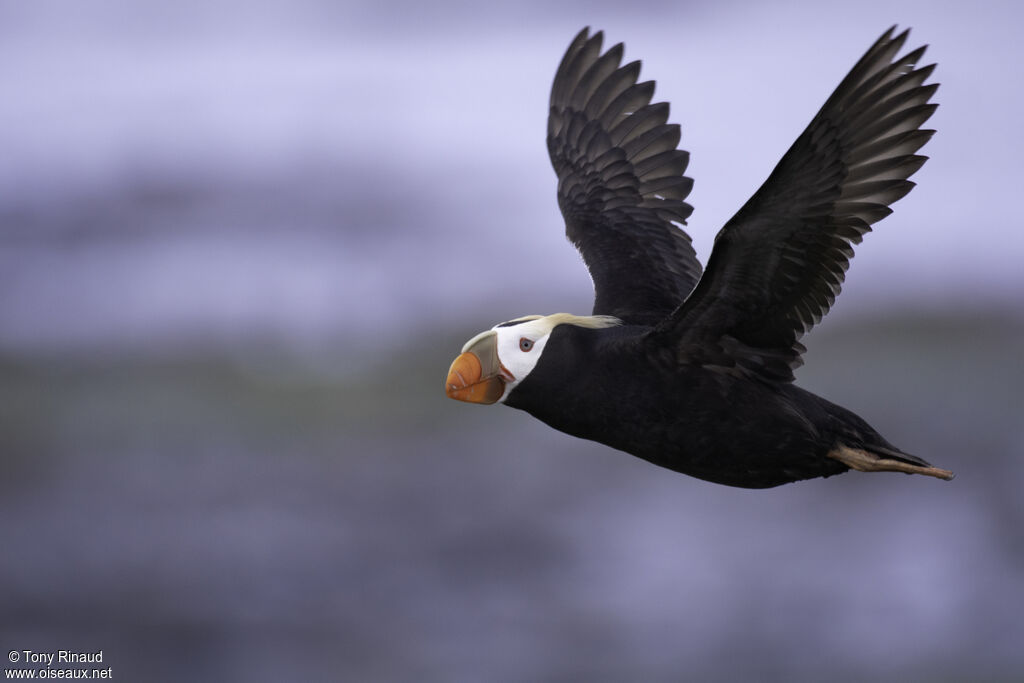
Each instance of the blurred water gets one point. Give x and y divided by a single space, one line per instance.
208 520
238 245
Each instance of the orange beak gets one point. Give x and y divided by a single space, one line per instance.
477 376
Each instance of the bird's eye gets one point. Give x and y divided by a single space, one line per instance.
525 344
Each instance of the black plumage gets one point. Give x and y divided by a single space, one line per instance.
698 377
620 183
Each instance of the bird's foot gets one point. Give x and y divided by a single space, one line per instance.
863 461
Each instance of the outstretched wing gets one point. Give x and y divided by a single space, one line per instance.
778 264
620 183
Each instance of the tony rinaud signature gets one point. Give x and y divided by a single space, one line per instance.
59 657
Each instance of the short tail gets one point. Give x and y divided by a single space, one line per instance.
881 459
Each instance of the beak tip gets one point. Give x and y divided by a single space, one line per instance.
450 389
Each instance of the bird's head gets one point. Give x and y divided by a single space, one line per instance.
494 362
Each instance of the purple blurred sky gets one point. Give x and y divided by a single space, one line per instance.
320 173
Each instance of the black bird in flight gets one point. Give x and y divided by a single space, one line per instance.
692 371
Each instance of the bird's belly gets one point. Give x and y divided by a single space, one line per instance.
736 433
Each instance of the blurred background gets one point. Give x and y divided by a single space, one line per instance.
241 242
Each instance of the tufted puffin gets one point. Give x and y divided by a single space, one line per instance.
691 371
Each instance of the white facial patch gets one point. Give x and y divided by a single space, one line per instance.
520 346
